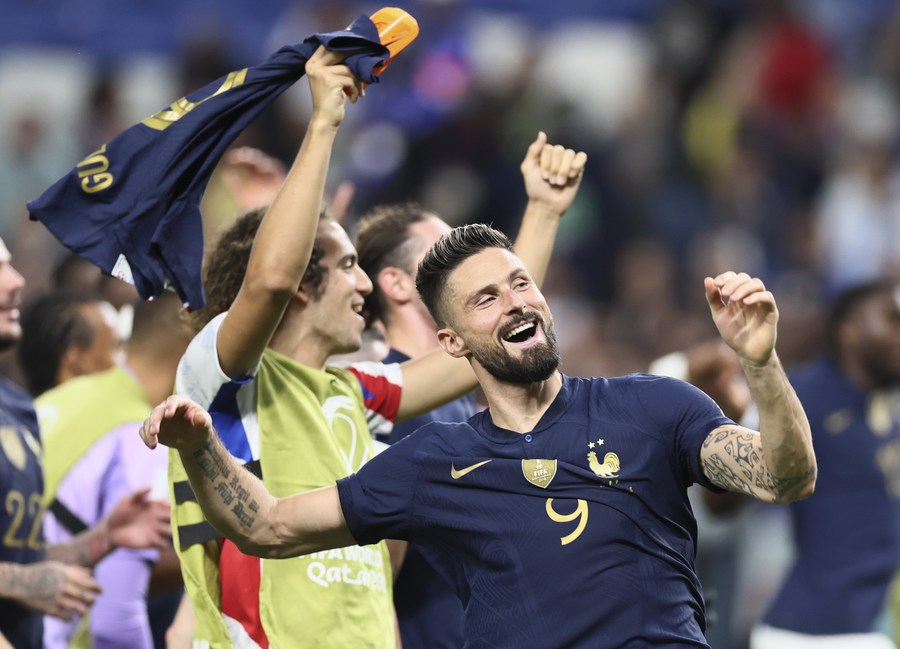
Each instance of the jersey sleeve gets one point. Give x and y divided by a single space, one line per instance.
199 375
377 502
382 385
690 415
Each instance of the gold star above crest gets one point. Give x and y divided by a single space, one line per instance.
590 444
600 442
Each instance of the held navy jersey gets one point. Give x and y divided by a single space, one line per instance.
133 206
21 488
848 531
577 534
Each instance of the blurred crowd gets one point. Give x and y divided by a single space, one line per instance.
759 135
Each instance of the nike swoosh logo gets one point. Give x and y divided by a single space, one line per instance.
456 474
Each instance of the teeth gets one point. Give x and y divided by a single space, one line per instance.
357 308
519 329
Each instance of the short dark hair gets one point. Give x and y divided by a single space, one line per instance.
226 265
847 304
51 324
449 252
77 274
383 239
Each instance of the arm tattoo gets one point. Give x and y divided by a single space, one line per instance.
35 581
85 549
212 464
734 461
42 583
227 487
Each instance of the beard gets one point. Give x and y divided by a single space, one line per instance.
537 363
9 339
881 368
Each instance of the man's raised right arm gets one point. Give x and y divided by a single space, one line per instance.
552 175
235 501
284 243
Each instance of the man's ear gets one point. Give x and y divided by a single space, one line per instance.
848 333
67 364
396 284
452 343
303 294
71 364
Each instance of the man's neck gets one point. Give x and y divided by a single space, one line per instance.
518 407
155 376
304 349
299 341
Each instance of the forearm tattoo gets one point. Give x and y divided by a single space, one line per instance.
30 583
36 581
227 487
733 461
212 464
85 549
43 582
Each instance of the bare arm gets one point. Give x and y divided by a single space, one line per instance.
552 176
432 380
50 587
286 235
62 586
180 634
397 550
235 501
777 463
85 549
135 522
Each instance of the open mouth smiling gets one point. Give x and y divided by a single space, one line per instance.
523 332
9 312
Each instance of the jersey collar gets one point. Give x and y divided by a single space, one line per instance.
489 429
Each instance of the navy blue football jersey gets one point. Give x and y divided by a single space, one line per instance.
21 490
133 206
576 534
848 531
